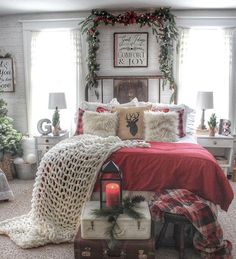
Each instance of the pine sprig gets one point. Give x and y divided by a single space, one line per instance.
137 199
112 214
130 204
106 212
110 232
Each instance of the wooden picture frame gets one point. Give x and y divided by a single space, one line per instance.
130 49
128 88
6 75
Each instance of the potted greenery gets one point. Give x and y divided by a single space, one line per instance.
212 123
56 123
10 140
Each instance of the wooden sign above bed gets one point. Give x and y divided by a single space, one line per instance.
125 88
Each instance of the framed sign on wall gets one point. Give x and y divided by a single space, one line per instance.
6 75
131 49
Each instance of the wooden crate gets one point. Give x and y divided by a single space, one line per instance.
6 165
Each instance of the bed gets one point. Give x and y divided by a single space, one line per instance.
67 175
183 164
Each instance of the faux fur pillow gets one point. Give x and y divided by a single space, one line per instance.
100 124
161 126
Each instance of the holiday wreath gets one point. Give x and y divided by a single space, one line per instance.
163 27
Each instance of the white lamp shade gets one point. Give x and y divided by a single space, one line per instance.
205 100
57 100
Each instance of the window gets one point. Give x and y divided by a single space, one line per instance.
52 65
204 65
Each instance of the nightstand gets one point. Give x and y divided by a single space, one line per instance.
44 142
221 147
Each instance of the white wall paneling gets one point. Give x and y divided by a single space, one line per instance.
11 40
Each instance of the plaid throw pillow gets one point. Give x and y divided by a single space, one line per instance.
79 123
102 109
181 123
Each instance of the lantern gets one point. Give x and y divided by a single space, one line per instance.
110 180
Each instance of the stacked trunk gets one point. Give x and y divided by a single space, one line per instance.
134 239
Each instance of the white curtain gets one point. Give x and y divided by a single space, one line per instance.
204 65
54 67
232 79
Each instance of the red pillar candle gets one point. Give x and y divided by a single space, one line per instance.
112 194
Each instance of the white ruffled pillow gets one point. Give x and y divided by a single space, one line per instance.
100 124
133 102
161 126
92 106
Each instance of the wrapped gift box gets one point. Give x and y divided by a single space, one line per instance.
93 227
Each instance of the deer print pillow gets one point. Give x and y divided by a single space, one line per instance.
131 122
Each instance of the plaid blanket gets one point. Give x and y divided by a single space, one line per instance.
208 239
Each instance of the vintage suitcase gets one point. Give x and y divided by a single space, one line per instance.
125 249
95 228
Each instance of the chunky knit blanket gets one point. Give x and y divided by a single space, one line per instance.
64 182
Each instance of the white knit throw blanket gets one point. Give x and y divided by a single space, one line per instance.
64 182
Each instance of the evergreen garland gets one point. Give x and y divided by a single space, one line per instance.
163 27
112 214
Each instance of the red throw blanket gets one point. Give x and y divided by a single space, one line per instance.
208 239
174 166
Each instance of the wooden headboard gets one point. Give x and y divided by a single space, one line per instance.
125 88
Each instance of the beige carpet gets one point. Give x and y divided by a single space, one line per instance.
21 205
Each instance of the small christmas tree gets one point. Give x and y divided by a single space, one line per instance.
10 139
56 119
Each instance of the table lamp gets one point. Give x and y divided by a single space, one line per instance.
204 101
56 101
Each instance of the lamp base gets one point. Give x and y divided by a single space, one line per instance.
202 124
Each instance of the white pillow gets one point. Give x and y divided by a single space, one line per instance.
133 102
92 106
100 124
144 104
161 126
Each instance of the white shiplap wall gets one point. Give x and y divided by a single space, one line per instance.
105 59
11 40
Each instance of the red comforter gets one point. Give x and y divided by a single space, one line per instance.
174 166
